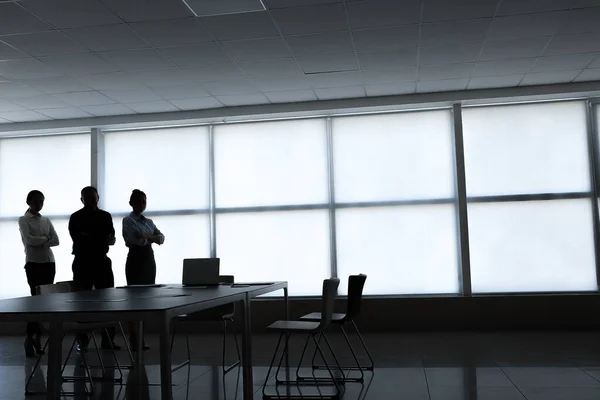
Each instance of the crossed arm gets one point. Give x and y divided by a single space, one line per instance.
38 241
132 235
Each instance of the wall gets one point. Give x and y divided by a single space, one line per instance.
568 311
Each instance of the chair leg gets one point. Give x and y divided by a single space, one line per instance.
337 383
372 365
271 364
89 374
114 353
313 379
187 344
128 347
102 367
298 377
235 364
358 366
35 367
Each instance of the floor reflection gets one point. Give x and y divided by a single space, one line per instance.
444 366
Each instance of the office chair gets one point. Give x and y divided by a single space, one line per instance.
223 314
312 329
356 284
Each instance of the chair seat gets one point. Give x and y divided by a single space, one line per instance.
316 317
293 326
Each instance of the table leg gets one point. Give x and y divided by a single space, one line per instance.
248 386
54 361
166 378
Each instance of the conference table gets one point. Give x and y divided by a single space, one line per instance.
158 304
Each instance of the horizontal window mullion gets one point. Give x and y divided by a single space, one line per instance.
393 203
528 197
293 207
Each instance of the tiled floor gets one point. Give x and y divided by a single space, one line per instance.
415 366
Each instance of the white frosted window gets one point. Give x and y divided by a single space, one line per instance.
169 165
534 148
393 156
403 250
59 166
13 281
288 246
532 246
271 163
186 236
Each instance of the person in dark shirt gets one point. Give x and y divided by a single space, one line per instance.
92 232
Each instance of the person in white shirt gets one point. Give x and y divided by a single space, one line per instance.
38 235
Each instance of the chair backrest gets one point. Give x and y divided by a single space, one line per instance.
70 283
330 287
62 287
356 283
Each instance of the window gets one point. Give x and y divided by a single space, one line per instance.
535 148
390 157
533 245
271 163
59 166
276 246
169 165
405 249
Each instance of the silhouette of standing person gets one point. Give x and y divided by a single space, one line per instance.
92 232
38 236
140 233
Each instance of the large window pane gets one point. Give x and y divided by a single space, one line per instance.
535 148
288 246
271 163
13 281
532 246
186 236
170 165
403 250
393 156
59 166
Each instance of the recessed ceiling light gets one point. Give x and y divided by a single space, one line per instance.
205 8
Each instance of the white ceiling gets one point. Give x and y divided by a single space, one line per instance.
63 59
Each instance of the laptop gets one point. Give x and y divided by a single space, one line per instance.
201 271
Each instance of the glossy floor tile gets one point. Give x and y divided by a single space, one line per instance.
415 366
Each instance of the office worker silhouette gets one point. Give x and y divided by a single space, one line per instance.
140 233
38 236
92 232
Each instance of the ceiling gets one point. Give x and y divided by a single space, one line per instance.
62 59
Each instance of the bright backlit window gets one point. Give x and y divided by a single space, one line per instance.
276 246
403 250
169 165
393 157
534 148
532 246
271 163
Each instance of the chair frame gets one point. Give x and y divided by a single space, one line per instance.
328 298
224 279
87 376
355 288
